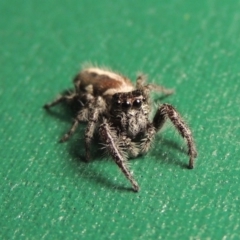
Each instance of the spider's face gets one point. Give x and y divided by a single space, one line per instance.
128 102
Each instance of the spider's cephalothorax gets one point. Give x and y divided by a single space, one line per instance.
119 112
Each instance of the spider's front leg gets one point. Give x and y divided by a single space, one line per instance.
168 111
97 108
109 137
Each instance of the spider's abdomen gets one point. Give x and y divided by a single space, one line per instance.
100 82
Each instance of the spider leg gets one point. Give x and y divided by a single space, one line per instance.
63 98
68 97
159 88
95 110
148 139
109 138
167 111
81 117
141 84
141 80
131 147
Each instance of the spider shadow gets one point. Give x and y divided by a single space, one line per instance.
75 146
167 152
86 170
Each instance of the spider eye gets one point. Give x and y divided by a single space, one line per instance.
117 103
126 105
137 103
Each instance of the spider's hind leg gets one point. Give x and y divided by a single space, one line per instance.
167 111
66 97
141 84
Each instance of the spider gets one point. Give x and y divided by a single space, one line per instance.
119 111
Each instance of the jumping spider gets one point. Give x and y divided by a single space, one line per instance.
119 111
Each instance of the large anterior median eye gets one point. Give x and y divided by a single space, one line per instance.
137 103
126 105
117 103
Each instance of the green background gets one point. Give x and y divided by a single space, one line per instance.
48 192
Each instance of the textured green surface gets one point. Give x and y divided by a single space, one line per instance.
47 192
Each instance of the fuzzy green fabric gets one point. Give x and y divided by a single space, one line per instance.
48 192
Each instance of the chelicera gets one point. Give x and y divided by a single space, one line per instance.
119 112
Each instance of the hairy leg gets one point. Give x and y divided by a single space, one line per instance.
109 138
64 98
130 147
95 109
81 117
166 111
141 84
148 139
